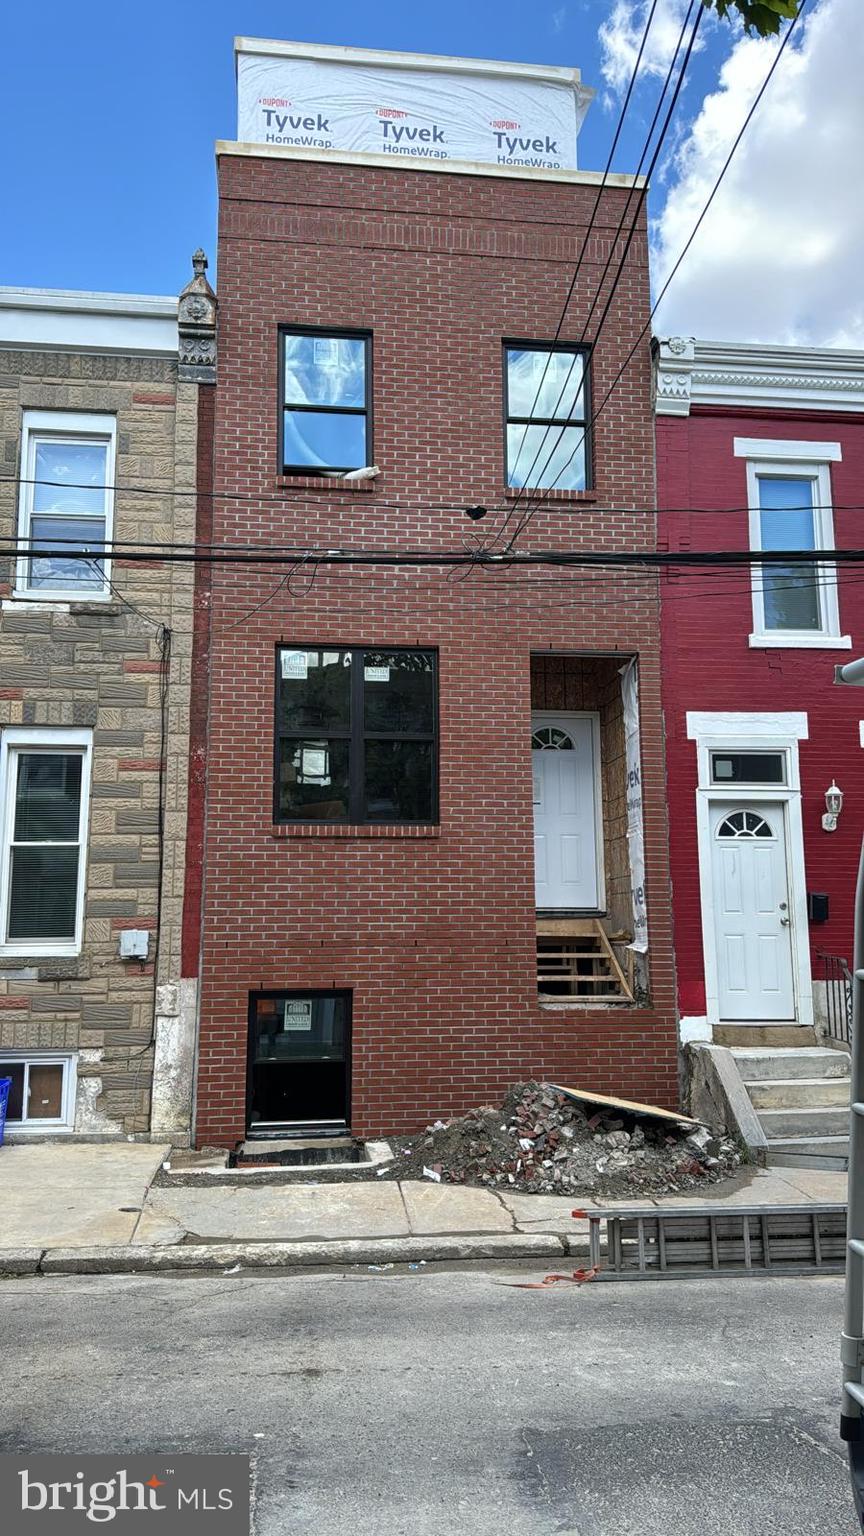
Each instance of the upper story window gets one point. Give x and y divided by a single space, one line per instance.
789 496
44 790
546 415
66 504
356 735
326 402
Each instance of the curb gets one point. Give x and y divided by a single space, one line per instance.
215 1257
20 1261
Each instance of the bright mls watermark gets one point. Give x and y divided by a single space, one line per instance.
175 1495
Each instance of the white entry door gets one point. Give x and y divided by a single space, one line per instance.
563 758
752 917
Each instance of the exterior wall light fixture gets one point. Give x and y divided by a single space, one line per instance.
833 807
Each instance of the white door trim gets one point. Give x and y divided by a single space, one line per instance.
739 738
555 716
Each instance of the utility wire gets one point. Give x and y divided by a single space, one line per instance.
622 260
591 222
526 519
512 557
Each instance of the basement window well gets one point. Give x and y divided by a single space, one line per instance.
42 1095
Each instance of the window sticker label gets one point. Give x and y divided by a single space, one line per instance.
376 674
298 1017
295 665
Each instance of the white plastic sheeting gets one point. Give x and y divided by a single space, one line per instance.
358 104
635 831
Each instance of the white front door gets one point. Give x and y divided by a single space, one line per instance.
563 758
752 916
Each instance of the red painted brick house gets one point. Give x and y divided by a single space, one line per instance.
386 742
765 447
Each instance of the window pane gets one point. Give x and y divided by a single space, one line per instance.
58 570
787 521
81 472
15 1070
47 797
311 1027
560 392
748 767
559 453
398 781
313 780
786 513
314 690
43 892
324 441
398 689
790 597
45 1101
325 370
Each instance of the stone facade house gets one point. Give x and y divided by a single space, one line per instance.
99 451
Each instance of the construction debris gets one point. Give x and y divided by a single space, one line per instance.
543 1141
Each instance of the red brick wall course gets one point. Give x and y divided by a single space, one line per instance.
708 664
434 935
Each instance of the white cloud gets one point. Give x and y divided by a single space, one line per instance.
558 18
779 255
621 34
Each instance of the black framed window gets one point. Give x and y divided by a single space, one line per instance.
546 412
325 389
356 735
748 767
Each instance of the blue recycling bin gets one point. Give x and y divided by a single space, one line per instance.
5 1086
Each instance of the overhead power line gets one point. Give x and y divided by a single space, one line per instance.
622 260
613 559
543 494
591 222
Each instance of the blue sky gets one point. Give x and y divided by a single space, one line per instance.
107 128
109 113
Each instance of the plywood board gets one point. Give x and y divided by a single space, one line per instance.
630 1105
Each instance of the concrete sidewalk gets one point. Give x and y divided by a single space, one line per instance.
95 1209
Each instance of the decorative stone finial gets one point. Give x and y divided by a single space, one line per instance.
196 325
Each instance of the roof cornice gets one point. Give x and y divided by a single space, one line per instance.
61 319
691 373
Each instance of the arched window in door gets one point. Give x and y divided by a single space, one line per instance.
550 738
741 824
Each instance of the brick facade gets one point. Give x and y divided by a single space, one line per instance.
709 664
97 664
431 929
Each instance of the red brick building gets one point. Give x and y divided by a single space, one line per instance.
374 924
765 447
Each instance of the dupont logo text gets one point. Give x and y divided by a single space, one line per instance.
165 1494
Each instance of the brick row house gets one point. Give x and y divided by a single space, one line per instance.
103 398
761 448
434 818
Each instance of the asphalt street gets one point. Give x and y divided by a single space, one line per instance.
421 1403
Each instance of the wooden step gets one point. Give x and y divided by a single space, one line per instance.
575 956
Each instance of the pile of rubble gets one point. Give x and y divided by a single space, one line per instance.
543 1142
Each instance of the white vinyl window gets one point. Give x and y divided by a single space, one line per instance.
66 505
45 795
789 496
41 1091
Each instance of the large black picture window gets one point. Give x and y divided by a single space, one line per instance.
546 416
356 735
325 402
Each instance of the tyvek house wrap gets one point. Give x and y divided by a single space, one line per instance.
413 108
